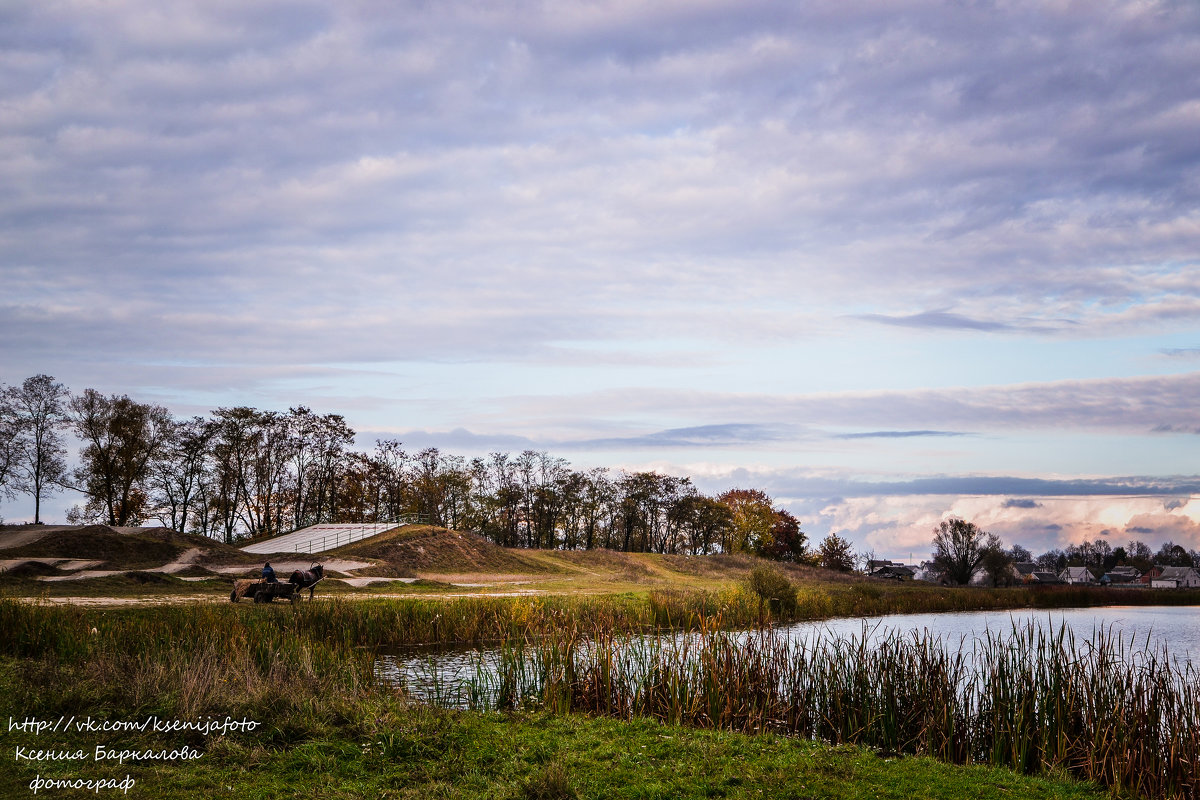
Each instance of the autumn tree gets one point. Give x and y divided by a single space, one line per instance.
835 553
703 521
37 410
787 541
644 501
753 519
958 549
596 501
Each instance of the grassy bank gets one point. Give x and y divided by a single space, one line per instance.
392 751
307 674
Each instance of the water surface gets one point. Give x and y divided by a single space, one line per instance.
452 675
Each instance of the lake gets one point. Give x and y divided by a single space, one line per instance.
451 676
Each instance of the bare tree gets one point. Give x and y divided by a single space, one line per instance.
39 415
10 447
958 549
121 439
178 477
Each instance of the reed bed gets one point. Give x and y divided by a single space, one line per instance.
1031 700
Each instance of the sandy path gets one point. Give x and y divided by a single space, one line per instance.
358 583
17 538
84 573
185 560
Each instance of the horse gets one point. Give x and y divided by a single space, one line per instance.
308 579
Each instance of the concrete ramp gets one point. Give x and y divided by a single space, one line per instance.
319 538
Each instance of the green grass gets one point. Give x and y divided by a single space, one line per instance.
393 751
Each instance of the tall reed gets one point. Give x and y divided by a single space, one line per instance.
1032 700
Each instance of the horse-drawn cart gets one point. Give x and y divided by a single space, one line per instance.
264 591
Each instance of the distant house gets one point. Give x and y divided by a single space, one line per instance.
1077 575
980 577
928 572
1115 578
1127 569
1044 578
1177 578
1151 574
1022 570
896 572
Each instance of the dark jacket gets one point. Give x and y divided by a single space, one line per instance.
269 574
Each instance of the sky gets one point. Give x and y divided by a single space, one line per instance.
888 261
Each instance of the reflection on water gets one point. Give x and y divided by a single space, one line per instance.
1175 627
462 677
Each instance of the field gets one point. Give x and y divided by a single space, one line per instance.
176 649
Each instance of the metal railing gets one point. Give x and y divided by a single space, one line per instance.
349 535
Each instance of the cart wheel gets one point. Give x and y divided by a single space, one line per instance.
259 597
233 596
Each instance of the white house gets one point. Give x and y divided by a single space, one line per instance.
1077 575
1177 578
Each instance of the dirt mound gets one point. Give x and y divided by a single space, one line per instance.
608 564
139 548
384 571
194 571
215 552
149 577
30 569
719 565
429 549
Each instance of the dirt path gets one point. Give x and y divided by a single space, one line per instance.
158 600
83 573
358 583
185 560
191 599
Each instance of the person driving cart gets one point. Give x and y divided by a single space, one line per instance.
268 574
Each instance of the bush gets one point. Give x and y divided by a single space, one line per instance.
773 588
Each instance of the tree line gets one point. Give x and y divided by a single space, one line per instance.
245 473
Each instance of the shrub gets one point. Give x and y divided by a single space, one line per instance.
773 588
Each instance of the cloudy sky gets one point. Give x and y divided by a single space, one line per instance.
888 261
